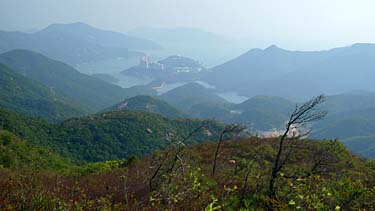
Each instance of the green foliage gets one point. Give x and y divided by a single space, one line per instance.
107 136
17 154
117 135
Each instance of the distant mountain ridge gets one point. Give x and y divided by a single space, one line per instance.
102 37
75 43
296 75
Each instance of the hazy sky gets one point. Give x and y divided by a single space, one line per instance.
293 24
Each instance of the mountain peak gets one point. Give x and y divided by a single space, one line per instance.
272 48
59 26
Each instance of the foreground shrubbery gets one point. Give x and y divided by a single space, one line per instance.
320 175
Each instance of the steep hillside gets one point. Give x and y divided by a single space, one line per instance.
29 97
149 104
65 80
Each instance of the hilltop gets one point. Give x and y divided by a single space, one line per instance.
149 104
192 94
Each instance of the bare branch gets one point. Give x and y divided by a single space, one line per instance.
306 113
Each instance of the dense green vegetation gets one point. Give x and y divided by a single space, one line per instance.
107 136
120 134
17 154
24 95
64 80
149 104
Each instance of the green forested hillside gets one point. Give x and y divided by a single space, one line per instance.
63 79
116 135
149 104
29 97
107 136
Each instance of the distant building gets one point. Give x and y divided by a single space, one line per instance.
147 63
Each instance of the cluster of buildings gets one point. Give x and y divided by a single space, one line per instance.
174 63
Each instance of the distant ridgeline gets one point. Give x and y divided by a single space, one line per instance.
296 75
76 43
